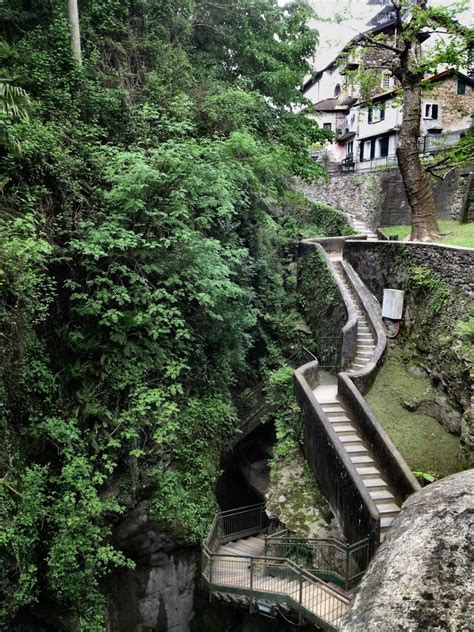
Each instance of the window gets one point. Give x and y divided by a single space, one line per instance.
327 126
376 114
337 90
386 80
350 148
383 146
431 111
461 87
372 149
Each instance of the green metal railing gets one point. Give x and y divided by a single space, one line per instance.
329 559
279 580
274 576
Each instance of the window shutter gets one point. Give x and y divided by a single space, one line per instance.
434 111
461 87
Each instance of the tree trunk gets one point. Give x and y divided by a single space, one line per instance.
73 14
424 226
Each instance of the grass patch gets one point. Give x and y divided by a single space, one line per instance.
422 441
452 233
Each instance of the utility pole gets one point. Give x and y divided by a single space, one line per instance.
73 14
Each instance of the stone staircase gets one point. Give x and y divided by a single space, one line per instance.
359 453
365 339
362 227
343 421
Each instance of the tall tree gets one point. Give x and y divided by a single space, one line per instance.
73 14
399 49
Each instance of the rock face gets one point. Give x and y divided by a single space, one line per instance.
429 332
421 579
158 594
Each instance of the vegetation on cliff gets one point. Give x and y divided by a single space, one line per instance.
139 267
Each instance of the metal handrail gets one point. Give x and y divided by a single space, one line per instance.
345 570
331 559
253 575
258 575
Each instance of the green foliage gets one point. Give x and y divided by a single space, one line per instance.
13 107
465 329
140 268
287 414
424 279
323 309
424 477
312 219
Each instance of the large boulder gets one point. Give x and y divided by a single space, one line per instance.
422 578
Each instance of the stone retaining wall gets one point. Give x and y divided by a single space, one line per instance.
439 293
378 197
454 265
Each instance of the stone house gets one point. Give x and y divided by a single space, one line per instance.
447 109
366 136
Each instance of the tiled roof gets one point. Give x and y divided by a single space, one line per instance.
334 104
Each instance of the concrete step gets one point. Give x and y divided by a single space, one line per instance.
368 472
387 508
382 494
386 521
344 434
363 352
249 548
343 428
343 424
358 449
375 483
337 417
351 439
229 550
362 459
333 408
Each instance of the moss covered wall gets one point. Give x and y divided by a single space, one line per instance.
323 309
439 292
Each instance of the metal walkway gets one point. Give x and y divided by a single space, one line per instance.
237 567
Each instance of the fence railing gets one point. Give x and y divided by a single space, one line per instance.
236 523
280 580
329 559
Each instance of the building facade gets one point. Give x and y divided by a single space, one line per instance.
366 132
